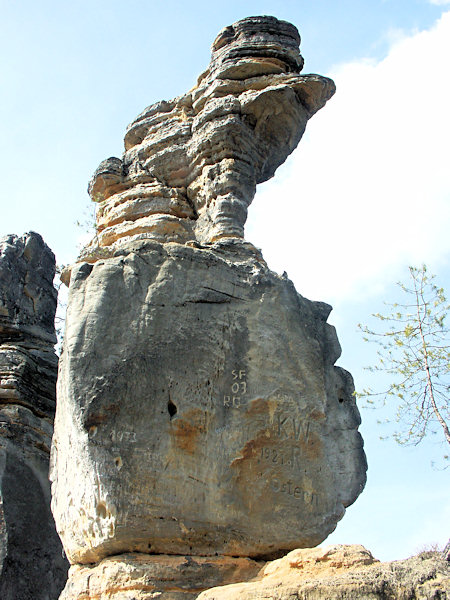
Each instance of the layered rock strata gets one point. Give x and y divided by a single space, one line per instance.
339 572
329 573
191 164
31 558
144 577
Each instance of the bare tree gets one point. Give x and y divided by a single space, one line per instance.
414 351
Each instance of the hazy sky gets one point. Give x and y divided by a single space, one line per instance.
366 193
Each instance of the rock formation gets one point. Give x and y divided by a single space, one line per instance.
191 165
199 409
329 573
31 558
338 572
144 576
197 388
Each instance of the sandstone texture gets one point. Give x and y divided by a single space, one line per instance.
201 421
199 409
141 577
31 560
330 573
191 164
343 572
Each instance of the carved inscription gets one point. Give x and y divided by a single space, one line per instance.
287 457
289 427
238 389
295 491
123 436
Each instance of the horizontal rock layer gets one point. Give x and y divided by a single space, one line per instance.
329 573
141 577
191 164
199 409
342 572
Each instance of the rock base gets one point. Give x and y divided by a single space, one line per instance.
338 572
142 576
329 573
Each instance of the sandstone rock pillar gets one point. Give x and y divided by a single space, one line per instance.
31 558
200 412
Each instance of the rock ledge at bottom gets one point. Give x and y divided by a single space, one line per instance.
341 572
137 576
335 572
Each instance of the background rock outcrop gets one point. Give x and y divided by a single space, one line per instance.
31 559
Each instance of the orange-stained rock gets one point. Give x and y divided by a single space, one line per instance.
199 408
145 577
342 573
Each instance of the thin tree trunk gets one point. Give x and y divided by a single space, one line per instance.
427 370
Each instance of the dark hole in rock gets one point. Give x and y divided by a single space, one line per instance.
171 408
341 400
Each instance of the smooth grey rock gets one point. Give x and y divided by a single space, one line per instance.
199 409
32 565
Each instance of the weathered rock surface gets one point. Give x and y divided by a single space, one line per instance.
143 576
191 164
329 573
27 295
343 572
31 560
199 411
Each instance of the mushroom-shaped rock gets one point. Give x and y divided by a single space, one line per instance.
191 164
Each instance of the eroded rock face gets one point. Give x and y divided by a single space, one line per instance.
191 164
31 558
340 572
143 576
199 409
200 412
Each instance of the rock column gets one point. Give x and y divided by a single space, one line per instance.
32 563
201 417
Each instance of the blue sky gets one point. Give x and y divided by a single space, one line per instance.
366 193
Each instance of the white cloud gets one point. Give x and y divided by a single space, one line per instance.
439 2
367 191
